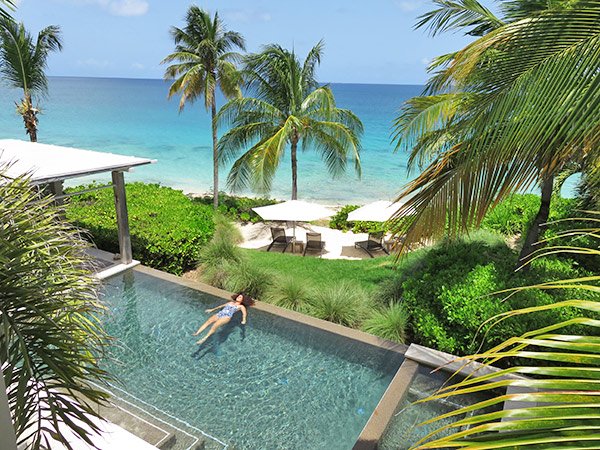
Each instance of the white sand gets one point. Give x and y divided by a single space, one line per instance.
338 244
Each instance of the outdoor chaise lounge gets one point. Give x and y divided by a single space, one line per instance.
280 239
373 243
313 242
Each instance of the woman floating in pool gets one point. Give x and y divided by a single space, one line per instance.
240 302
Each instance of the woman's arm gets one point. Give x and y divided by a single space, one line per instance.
216 307
244 314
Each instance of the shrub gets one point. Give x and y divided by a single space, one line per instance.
167 228
447 288
344 303
339 221
389 323
220 256
237 208
290 293
248 278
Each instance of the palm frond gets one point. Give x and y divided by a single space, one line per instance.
461 14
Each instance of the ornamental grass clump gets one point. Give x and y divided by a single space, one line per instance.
50 334
220 257
344 303
248 278
388 323
291 293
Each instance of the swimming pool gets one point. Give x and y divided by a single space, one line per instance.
272 384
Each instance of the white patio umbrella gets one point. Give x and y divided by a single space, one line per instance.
294 211
379 211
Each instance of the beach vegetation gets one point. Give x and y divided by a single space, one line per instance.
289 109
167 228
560 366
389 322
507 113
250 279
23 63
344 303
447 289
204 60
291 292
238 208
50 334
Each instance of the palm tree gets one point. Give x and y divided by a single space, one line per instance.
559 399
204 61
507 112
5 7
23 62
289 108
50 335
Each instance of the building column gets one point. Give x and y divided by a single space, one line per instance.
122 219
8 440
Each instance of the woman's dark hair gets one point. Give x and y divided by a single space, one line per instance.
246 299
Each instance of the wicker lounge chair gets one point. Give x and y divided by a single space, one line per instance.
313 242
373 243
280 239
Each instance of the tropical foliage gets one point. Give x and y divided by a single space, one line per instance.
6 6
203 61
290 108
558 401
49 332
23 62
167 228
504 114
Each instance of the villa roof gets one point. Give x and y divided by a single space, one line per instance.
47 163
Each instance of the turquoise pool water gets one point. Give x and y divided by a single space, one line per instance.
272 384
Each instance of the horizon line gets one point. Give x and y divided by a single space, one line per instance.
162 79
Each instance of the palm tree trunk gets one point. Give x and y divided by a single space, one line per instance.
215 154
294 169
531 244
29 114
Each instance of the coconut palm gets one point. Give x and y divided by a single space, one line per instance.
504 114
23 62
5 7
50 335
559 404
290 108
204 61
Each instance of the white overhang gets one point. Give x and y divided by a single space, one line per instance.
46 163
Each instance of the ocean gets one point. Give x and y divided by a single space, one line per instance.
134 117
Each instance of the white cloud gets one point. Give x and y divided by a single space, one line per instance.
138 66
409 5
246 15
98 64
117 7
426 61
127 7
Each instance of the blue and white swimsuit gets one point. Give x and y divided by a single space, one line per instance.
228 311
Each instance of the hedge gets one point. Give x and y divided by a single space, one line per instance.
167 228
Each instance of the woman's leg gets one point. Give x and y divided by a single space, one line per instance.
219 322
210 320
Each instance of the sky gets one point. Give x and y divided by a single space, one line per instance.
365 41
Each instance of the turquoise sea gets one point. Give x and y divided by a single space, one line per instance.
134 117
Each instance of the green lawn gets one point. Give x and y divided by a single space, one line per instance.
320 272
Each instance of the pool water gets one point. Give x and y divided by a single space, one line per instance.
271 384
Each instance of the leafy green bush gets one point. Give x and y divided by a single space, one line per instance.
447 291
515 214
167 228
291 293
237 208
339 221
388 323
344 303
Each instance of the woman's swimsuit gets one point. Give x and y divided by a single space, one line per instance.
228 311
